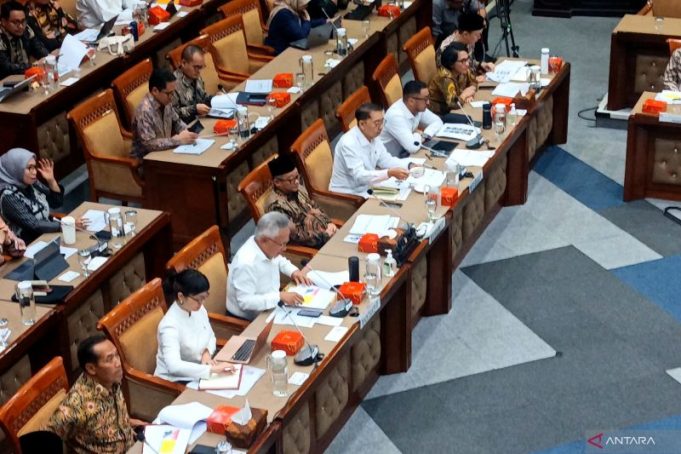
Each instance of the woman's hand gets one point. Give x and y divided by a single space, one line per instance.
82 223
46 170
207 359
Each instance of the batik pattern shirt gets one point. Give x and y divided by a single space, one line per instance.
446 87
672 74
93 419
16 52
188 93
153 127
51 22
310 221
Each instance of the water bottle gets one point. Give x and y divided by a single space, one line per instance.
242 122
278 367
544 62
512 117
307 69
24 291
341 42
372 274
389 264
500 120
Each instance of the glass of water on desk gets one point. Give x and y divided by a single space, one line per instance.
84 260
5 333
24 293
372 274
431 202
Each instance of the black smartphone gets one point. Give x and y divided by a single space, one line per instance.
314 313
195 127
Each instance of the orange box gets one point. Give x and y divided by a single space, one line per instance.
389 11
158 15
555 63
368 243
224 126
354 291
283 80
36 71
652 106
220 419
280 98
449 196
502 100
289 341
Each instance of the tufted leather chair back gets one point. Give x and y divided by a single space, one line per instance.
387 77
251 15
256 188
312 150
420 50
209 74
229 44
130 87
35 402
346 111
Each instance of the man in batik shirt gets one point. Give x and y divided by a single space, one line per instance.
93 417
49 22
672 75
18 42
311 226
190 98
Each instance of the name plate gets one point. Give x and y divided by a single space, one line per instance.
373 307
670 118
436 229
477 179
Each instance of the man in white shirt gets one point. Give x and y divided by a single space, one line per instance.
253 282
402 120
360 159
93 13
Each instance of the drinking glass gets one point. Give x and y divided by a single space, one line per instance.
92 54
431 202
278 367
26 298
659 23
131 222
271 107
365 28
300 81
84 260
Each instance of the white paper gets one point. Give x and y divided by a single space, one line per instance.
352 41
68 276
294 90
331 63
669 96
89 35
258 85
162 26
432 178
467 158
249 378
458 131
329 321
511 89
326 279
261 122
195 148
314 297
352 239
71 54
184 416
243 416
68 82
96 262
182 13
224 101
67 251
281 317
229 146
417 161
336 333
477 104
96 220
504 71
298 378
33 248
378 224
155 434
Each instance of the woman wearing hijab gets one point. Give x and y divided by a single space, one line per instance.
289 21
25 202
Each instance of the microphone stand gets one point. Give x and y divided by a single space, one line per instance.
313 350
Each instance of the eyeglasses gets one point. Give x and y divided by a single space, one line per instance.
289 179
281 245
425 98
201 300
18 23
198 67
464 61
32 168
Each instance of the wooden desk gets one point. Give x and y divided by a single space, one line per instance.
638 57
653 166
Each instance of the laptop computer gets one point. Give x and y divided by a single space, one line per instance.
240 349
46 264
7 91
318 36
106 28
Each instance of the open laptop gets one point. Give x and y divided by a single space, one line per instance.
7 91
106 29
240 349
318 36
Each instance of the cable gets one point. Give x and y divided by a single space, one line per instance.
579 114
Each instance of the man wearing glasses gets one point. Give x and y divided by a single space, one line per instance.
361 159
310 225
190 98
454 82
254 274
156 126
400 134
18 42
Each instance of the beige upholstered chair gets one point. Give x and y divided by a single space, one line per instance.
387 77
420 50
130 87
254 27
206 253
133 326
346 111
232 56
312 150
106 147
209 74
35 402
667 8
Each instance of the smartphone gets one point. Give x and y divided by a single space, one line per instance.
195 127
314 313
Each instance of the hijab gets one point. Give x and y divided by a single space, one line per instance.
291 5
12 167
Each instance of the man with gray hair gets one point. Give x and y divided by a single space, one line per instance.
254 281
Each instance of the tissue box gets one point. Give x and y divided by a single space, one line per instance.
220 418
280 98
449 196
354 291
289 341
36 71
283 80
502 100
243 436
224 126
389 11
368 243
158 15
654 107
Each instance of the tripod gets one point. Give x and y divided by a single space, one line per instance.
504 14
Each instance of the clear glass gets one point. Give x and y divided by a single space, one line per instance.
499 124
271 106
307 68
372 274
431 202
365 28
224 447
131 222
342 44
277 364
92 55
26 300
116 223
84 257
5 334
242 121
300 81
659 23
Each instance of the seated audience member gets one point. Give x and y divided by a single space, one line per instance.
186 342
93 417
25 202
468 33
156 125
361 159
289 21
18 42
190 98
93 13
310 226
10 244
254 281
49 21
672 74
318 8
402 120
454 81
446 14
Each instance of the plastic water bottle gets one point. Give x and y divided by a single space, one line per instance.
389 264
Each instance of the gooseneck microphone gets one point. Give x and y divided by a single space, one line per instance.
307 355
477 141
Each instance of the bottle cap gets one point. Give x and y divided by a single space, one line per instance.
341 31
545 50
500 107
373 256
307 58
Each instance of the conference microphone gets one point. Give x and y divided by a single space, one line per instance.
385 204
342 306
477 141
433 151
470 120
309 354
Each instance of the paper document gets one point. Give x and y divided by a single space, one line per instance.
249 377
225 101
190 417
326 279
298 378
221 113
477 104
33 248
431 177
504 71
68 82
282 317
668 96
336 333
89 35
67 251
378 224
96 262
511 89
313 296
165 439
458 131
96 220
228 380
195 148
468 157
71 54
258 85
68 276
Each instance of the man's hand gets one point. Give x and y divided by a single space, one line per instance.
488 66
468 94
399 173
186 137
82 223
291 298
331 229
202 109
137 422
300 278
